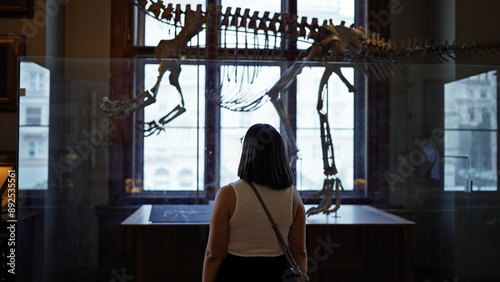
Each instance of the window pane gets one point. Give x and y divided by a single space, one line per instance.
173 157
341 119
471 133
34 110
234 124
33 116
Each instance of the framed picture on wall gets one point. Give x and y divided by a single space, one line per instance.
17 8
11 48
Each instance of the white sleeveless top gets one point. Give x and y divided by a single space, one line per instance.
250 231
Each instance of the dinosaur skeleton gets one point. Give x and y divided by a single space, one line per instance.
371 54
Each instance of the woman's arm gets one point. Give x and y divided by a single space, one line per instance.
297 234
222 210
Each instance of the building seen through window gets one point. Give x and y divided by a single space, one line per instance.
34 110
471 133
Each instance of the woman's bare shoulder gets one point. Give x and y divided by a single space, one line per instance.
226 189
226 198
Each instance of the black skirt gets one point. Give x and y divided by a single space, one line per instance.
242 269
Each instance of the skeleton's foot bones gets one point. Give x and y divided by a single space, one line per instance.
327 191
152 127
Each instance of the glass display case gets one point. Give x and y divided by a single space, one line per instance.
421 143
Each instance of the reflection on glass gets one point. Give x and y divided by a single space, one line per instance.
173 157
34 109
471 131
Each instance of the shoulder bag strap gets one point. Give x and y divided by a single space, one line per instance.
281 241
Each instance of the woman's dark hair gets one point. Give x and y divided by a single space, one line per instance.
264 160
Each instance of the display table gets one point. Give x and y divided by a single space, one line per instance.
360 243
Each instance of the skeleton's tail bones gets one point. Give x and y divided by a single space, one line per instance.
383 59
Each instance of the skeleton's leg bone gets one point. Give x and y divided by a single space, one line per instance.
280 87
324 80
285 80
327 146
178 110
140 101
120 109
169 49
278 105
352 88
338 201
124 108
326 138
175 70
174 67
